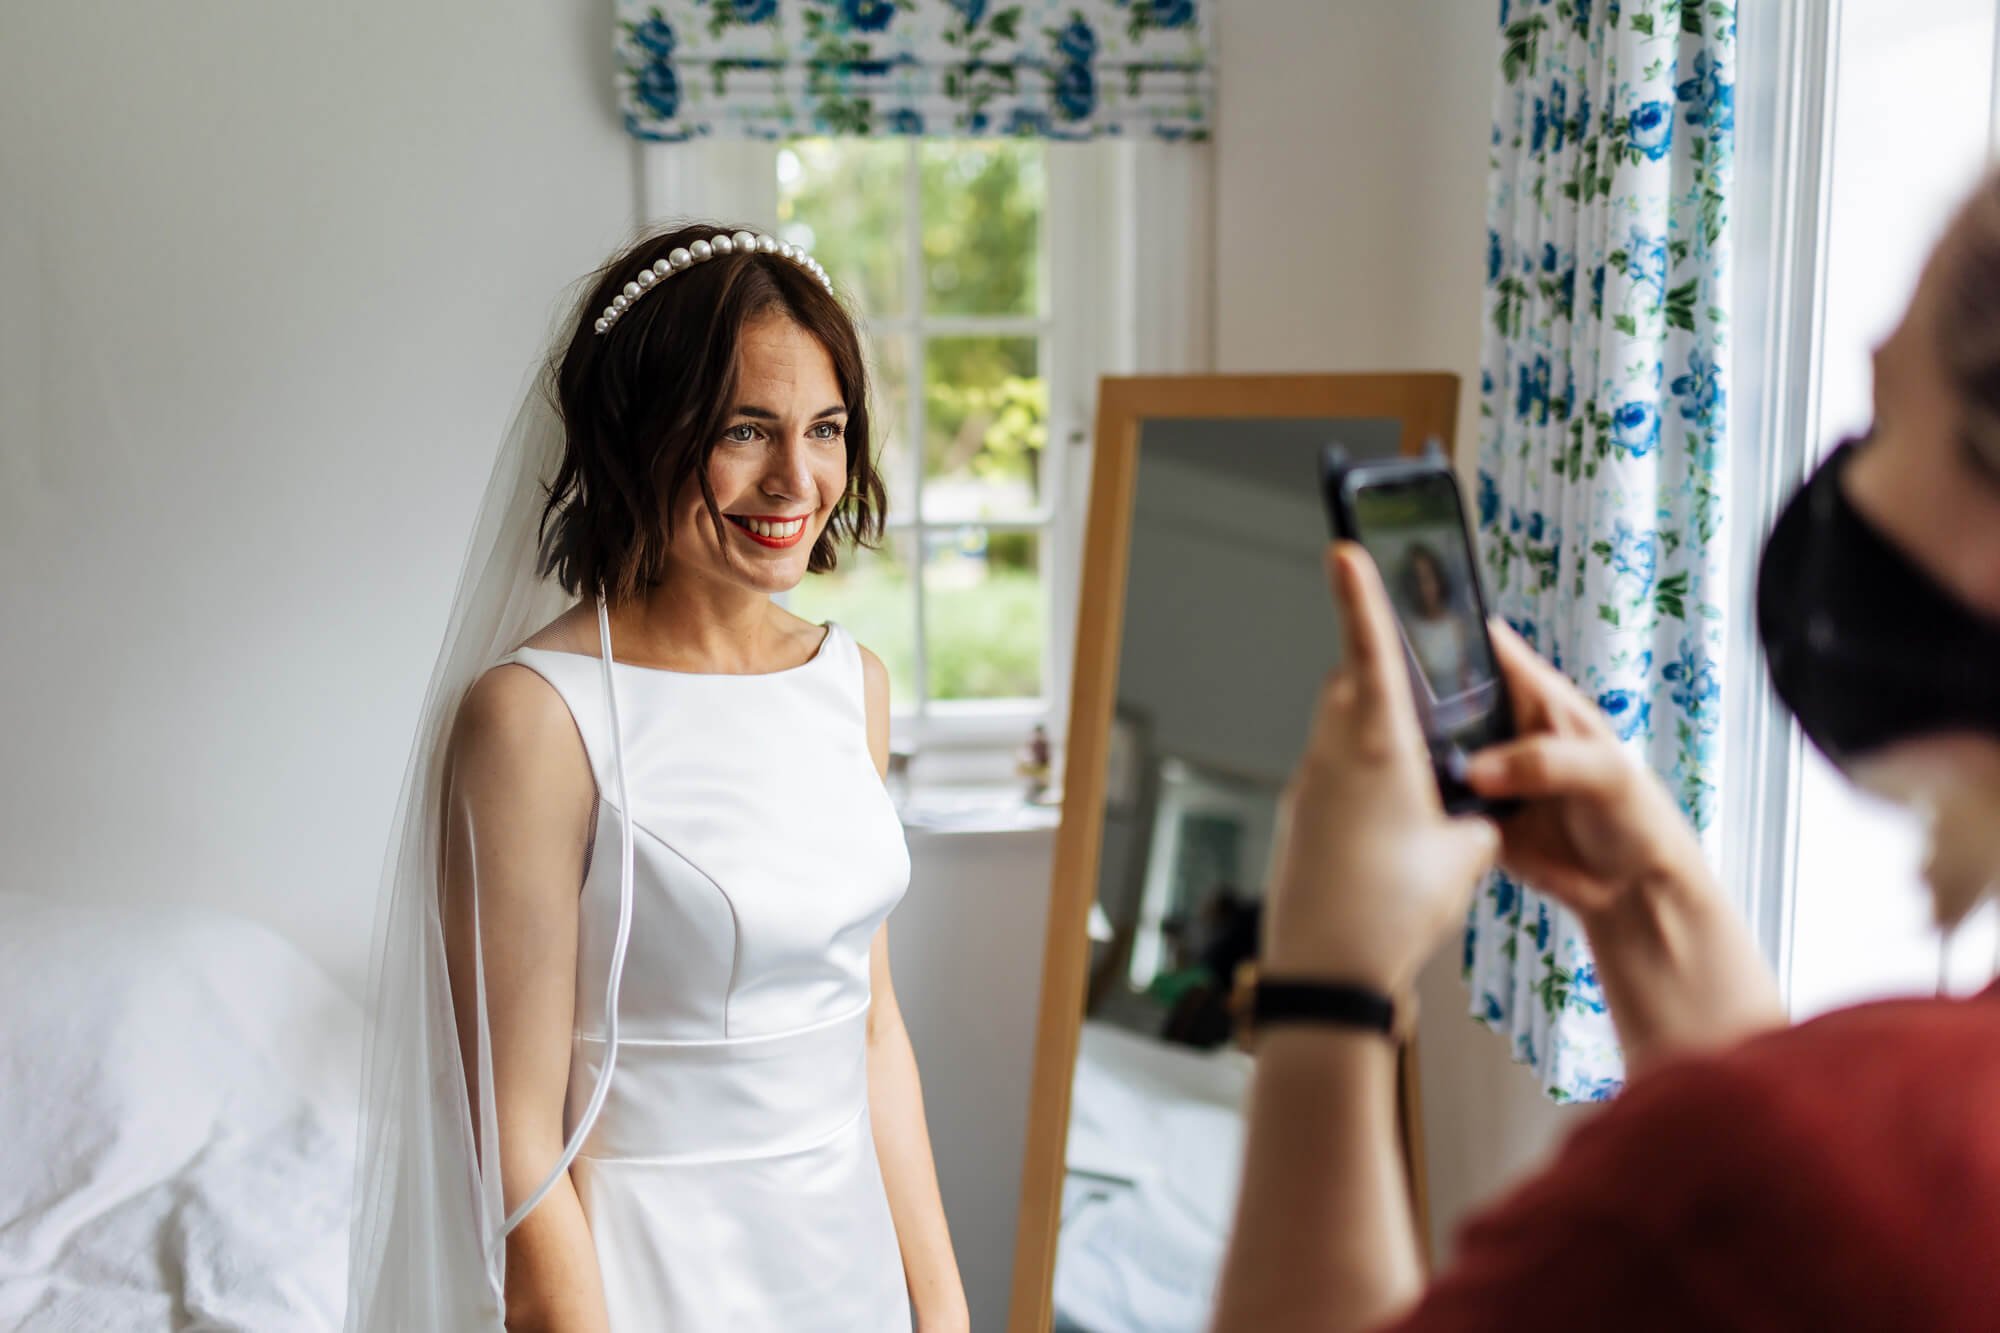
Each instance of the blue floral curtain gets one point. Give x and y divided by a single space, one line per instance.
1054 69
1603 433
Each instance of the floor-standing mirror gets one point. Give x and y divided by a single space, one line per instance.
1204 628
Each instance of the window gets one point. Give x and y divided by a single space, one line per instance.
1905 127
943 246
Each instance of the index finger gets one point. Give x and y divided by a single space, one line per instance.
1372 644
1542 695
1523 669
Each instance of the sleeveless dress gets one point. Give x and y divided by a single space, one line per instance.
730 1180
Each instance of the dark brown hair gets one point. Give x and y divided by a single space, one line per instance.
644 404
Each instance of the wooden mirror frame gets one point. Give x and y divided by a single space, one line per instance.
1427 406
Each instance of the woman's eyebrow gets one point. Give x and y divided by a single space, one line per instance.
766 414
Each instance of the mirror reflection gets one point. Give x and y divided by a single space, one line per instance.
1224 570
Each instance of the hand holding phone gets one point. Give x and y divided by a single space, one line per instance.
1408 515
1371 873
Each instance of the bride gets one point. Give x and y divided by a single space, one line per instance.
635 1058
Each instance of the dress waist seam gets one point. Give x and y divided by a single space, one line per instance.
711 1043
712 1158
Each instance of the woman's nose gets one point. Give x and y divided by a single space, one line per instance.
789 473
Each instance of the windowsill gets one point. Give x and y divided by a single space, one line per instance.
974 808
1000 724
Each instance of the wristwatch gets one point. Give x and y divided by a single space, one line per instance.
1275 1000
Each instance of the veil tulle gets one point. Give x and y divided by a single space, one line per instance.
426 1244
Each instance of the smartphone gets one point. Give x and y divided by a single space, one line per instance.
1407 514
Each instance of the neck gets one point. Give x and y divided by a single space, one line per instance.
691 621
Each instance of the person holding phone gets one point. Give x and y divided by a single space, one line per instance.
1844 1173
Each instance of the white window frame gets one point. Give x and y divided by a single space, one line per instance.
1785 95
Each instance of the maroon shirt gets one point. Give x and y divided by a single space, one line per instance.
1842 1174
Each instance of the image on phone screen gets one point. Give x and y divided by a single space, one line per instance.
1416 534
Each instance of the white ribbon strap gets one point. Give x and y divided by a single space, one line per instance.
603 1086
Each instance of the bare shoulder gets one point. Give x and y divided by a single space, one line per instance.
874 673
875 685
514 731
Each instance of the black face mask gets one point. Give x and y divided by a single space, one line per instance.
1866 648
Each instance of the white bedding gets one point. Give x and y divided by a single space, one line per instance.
177 1102
1154 1154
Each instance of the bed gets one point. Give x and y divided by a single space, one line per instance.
1153 1157
178 1090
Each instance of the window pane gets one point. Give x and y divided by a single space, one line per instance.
982 223
870 594
843 200
986 414
983 613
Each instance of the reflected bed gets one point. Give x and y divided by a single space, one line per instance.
1155 1148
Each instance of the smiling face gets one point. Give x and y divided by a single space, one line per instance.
779 467
1926 482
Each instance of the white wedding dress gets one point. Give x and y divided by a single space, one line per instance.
730 1180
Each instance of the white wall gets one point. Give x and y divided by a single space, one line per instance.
1351 155
270 276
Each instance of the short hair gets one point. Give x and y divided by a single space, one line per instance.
643 406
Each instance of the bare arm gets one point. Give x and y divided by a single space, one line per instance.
1323 1239
896 1105
1601 835
1369 876
903 1144
518 807
1680 971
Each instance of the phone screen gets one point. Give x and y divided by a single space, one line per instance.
1415 531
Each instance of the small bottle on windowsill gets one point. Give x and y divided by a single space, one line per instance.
1032 763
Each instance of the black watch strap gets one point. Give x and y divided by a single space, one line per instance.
1276 1000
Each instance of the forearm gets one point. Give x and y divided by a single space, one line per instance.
1680 970
1324 1239
553 1283
909 1174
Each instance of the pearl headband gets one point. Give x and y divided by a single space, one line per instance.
701 252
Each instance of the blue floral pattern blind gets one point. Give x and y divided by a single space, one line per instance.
1054 69
1602 447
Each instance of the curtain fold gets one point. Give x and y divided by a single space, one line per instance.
1603 397
1053 69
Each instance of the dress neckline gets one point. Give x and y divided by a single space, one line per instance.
818 653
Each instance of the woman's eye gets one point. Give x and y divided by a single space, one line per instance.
826 430
740 434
